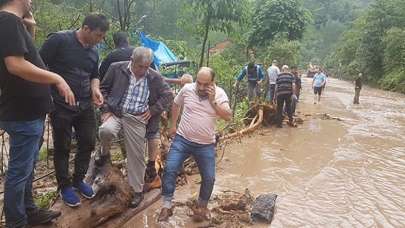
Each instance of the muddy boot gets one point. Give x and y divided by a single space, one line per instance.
136 200
164 214
201 214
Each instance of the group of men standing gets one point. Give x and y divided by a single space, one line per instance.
283 87
63 79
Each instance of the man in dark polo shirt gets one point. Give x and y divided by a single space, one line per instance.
72 55
24 101
285 87
122 52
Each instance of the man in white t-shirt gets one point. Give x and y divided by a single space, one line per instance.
202 102
273 71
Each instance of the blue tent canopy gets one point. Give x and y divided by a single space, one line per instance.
162 54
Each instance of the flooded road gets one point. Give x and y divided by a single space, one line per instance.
326 172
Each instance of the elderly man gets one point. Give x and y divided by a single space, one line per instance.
123 52
202 102
285 88
134 95
24 101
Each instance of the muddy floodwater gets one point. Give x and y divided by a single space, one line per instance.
347 171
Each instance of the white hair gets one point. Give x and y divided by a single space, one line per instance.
142 55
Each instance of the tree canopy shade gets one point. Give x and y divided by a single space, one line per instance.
216 15
278 17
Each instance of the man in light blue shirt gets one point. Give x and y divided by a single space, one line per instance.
255 76
318 84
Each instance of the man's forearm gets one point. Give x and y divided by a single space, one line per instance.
223 110
173 81
95 84
175 114
20 67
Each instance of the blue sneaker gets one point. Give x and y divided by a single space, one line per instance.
69 197
85 190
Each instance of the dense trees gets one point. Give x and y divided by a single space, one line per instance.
285 18
347 36
375 45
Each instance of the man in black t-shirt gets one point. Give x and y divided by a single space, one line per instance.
24 101
72 55
122 52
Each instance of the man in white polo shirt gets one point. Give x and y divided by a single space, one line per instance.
202 102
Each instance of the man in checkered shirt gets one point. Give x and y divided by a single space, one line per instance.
134 93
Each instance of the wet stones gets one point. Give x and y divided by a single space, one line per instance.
263 208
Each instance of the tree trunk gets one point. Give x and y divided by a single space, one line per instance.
91 7
120 17
110 206
207 28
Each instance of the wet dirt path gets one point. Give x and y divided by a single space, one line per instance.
326 172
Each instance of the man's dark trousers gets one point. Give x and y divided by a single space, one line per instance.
281 100
84 123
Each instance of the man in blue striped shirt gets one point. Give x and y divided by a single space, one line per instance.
285 88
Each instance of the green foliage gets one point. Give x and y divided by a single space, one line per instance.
225 72
330 20
394 53
374 45
214 15
394 80
278 17
241 109
394 60
286 52
52 17
45 200
43 153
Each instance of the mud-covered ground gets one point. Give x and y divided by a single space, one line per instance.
344 167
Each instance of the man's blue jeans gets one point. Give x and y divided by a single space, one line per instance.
204 155
24 146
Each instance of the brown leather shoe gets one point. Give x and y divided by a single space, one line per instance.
155 183
164 214
201 214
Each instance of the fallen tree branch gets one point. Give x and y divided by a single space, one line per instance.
256 122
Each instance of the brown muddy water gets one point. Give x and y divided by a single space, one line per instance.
327 173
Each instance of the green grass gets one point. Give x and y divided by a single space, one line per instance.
43 153
45 200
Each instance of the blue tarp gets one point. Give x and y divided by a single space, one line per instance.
162 54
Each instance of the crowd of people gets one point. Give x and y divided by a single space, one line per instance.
283 87
65 80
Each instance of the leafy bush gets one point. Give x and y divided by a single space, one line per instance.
45 200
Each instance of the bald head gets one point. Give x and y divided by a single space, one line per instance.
205 79
206 73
